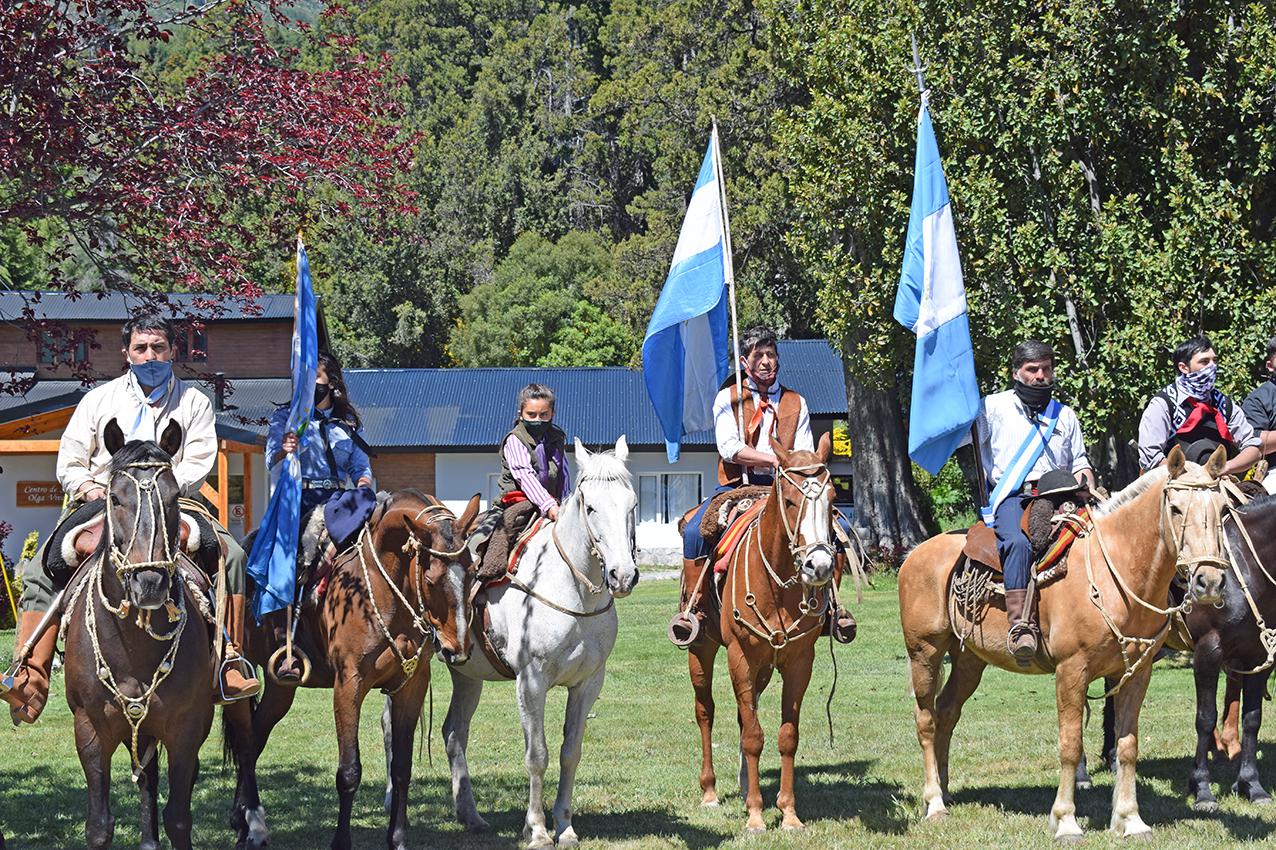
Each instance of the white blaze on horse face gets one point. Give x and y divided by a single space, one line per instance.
814 528
607 502
456 584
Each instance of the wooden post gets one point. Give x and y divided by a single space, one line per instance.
223 485
248 492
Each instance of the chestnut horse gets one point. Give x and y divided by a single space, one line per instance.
398 594
776 594
1103 618
138 648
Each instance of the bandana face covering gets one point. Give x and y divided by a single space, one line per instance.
152 373
1199 384
1034 397
321 392
536 427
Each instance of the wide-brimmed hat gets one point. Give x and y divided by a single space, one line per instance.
1057 481
1199 451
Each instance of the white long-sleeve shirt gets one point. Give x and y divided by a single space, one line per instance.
1003 425
727 430
83 456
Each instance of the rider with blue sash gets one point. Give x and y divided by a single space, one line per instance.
1025 433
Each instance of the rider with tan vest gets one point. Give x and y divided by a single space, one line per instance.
143 401
770 410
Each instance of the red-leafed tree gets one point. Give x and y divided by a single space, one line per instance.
187 186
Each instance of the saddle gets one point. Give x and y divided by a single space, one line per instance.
499 538
1052 521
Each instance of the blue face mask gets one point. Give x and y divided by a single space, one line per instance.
153 373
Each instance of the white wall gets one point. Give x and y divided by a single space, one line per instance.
460 475
24 520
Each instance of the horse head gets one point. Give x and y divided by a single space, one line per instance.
449 579
142 524
804 492
1191 522
606 500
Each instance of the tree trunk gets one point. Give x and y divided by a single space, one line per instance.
888 508
1115 461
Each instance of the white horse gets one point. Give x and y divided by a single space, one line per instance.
554 625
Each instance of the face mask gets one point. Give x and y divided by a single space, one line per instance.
1199 384
321 392
536 427
152 373
1035 398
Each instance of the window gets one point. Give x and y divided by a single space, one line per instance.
192 343
53 348
665 497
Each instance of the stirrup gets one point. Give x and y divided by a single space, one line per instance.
841 625
272 667
246 668
1023 653
684 628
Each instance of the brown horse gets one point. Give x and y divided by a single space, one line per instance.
775 598
1103 618
398 594
138 652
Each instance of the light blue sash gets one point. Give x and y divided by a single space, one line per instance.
1039 433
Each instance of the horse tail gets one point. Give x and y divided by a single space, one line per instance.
230 741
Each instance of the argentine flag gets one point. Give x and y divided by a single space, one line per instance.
685 355
273 560
931 302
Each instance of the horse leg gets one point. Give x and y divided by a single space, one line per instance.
963 679
926 667
796 675
531 705
1227 740
1248 781
1070 684
183 768
744 680
1125 803
1205 671
248 816
456 737
95 758
405 711
700 658
1109 725
148 802
580 700
347 699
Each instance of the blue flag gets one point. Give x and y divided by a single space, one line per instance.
685 355
931 302
272 564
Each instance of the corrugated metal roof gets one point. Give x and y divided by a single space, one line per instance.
457 409
117 307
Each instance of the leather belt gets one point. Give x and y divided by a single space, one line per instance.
321 484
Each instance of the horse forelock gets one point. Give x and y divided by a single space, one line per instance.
605 467
1138 487
138 451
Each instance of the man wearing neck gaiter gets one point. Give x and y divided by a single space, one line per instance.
1025 433
1192 410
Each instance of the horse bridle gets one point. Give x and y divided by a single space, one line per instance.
148 492
592 539
1184 566
816 479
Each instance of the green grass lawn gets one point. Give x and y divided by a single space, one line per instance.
637 784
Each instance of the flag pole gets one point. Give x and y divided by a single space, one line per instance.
981 485
729 272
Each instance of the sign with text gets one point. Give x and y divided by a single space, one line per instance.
39 494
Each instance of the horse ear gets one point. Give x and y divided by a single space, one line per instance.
1217 463
469 516
825 449
1176 461
112 437
622 449
582 455
171 440
780 454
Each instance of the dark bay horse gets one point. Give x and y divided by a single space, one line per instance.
1103 618
138 649
776 594
398 594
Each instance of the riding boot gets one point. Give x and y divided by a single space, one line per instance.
236 680
1022 637
684 628
840 625
286 672
30 689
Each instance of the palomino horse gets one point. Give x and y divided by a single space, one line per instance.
1100 619
1239 637
400 592
775 598
553 624
138 652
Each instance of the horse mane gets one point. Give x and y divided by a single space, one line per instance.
1138 487
138 451
1257 503
605 467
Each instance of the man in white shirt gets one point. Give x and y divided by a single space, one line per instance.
1023 434
770 410
143 401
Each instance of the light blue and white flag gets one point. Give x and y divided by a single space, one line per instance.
685 354
272 564
931 302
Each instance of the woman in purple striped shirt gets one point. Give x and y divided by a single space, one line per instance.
533 463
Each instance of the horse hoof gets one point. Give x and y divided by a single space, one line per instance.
1262 800
568 841
1068 838
711 803
754 830
793 827
1084 784
477 824
940 815
1205 807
